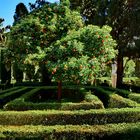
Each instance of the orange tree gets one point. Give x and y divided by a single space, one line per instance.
81 55
55 37
38 30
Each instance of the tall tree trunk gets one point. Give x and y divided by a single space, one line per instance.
119 69
59 90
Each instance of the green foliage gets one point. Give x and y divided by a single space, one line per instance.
5 75
20 12
112 100
121 92
24 102
122 131
81 54
37 31
65 2
129 69
53 35
121 15
75 117
9 90
135 97
8 96
117 101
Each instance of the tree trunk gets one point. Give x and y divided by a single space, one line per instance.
119 70
59 90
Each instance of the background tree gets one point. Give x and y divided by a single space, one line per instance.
129 67
37 4
123 17
5 69
20 12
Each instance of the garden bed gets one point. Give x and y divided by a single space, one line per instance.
39 99
79 117
12 94
130 131
113 98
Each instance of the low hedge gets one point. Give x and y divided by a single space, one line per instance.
79 117
103 95
112 100
72 132
121 92
117 101
135 97
89 97
22 103
8 90
28 96
4 98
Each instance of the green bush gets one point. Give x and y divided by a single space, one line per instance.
24 102
112 100
72 132
135 97
4 98
8 90
103 95
121 92
77 117
117 101
89 97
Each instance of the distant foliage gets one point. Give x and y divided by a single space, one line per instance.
37 4
20 12
129 69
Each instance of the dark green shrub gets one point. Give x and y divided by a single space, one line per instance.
4 98
73 132
112 100
103 95
117 101
77 117
135 97
8 90
121 92
25 102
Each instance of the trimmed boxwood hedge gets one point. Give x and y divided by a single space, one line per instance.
72 132
22 103
121 92
117 101
79 117
134 97
112 100
4 98
8 90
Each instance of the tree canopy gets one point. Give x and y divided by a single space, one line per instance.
40 29
123 17
20 12
56 37
81 55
